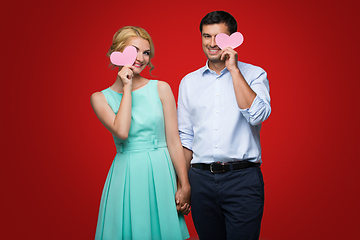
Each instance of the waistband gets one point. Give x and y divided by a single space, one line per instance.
138 146
221 167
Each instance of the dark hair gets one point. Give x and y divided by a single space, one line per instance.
219 17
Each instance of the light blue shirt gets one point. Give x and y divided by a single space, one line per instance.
210 122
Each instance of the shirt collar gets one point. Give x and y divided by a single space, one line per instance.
206 69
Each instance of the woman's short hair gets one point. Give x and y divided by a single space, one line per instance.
124 34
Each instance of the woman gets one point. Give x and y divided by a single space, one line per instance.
138 200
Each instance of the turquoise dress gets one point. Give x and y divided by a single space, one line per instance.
138 199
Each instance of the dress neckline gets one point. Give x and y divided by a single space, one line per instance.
143 86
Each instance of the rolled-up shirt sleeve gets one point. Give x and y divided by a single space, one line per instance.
260 108
184 120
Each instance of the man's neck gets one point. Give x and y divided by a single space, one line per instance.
217 66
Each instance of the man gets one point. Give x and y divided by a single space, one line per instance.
220 110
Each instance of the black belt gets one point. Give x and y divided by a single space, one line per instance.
220 167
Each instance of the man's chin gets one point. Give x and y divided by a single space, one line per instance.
214 59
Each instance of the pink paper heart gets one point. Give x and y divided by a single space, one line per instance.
127 57
234 40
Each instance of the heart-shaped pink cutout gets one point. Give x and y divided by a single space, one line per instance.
234 40
127 57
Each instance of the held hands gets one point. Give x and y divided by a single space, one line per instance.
126 74
182 199
231 58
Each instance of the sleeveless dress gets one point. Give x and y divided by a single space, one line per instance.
138 199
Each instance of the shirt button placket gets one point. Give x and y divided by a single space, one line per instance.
216 120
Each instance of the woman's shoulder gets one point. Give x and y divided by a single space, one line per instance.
163 86
164 90
97 97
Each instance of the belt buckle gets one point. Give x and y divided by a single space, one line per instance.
221 164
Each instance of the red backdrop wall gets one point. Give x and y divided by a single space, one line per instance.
55 154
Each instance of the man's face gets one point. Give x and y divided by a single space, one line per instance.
209 32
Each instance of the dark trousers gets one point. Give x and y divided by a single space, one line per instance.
227 205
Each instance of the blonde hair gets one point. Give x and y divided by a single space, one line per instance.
122 36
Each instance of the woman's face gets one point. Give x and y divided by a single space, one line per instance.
143 53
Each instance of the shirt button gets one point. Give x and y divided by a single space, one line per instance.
215 128
217 111
217 94
216 146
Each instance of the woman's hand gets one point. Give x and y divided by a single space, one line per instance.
126 74
182 198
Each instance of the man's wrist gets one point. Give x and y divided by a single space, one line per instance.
235 71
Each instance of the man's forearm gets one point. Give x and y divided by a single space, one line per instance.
188 156
244 94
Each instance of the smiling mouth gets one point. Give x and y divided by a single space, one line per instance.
214 51
138 65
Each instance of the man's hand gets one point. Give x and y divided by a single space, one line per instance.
231 58
182 199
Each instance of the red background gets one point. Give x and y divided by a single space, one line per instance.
55 154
